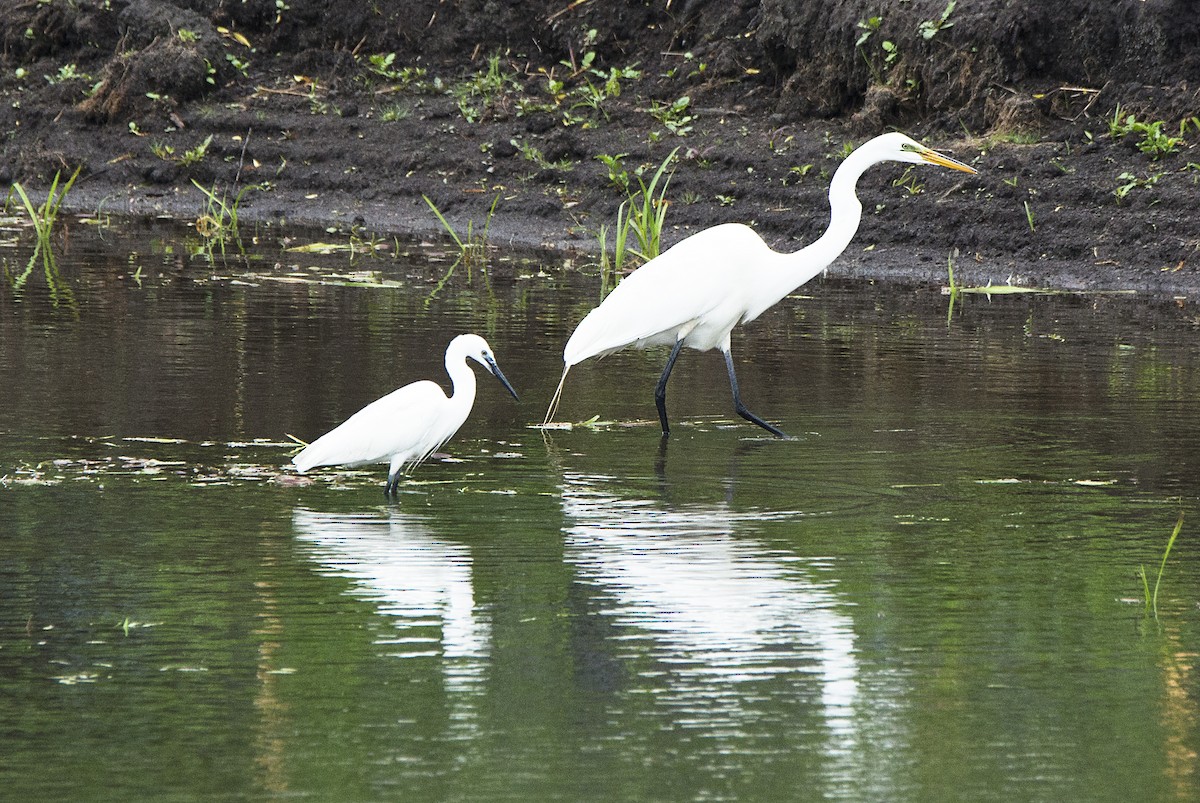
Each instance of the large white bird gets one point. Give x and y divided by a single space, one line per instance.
695 293
407 425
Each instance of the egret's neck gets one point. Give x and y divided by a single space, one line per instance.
845 213
463 380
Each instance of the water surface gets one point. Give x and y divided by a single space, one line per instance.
928 592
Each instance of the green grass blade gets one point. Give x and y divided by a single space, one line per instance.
446 224
34 218
1163 565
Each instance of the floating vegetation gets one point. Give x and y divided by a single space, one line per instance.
197 464
954 290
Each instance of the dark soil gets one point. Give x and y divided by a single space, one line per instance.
777 89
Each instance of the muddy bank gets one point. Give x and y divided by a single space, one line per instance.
346 113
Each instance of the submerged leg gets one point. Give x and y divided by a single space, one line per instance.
737 401
394 472
660 390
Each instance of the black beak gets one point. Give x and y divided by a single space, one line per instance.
495 369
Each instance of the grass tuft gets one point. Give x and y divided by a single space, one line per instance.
1152 597
44 216
217 223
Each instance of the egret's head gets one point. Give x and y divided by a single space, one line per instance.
901 148
477 349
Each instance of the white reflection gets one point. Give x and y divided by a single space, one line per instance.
411 574
718 607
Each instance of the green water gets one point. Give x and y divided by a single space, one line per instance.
928 593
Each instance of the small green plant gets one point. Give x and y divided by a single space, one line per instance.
479 92
196 154
593 95
674 115
648 210
394 113
217 222
642 214
618 176
473 250
869 27
1066 169
1151 598
1029 216
67 72
43 216
610 268
383 65
931 28
796 173
241 65
1153 142
1130 182
908 180
532 153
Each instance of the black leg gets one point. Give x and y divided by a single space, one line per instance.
393 484
741 408
660 390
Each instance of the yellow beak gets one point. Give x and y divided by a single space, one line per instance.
935 158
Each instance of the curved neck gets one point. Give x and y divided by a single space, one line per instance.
845 213
463 380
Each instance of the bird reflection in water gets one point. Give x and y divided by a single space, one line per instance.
714 607
424 581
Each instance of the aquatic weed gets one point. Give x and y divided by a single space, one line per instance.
43 217
1151 599
217 222
473 250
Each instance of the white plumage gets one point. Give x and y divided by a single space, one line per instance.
695 293
406 426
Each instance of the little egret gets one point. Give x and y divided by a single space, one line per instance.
695 293
407 425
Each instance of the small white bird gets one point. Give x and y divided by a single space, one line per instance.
407 425
696 292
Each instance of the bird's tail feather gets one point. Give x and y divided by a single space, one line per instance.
557 395
310 456
304 461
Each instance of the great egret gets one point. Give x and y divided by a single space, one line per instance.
695 293
407 425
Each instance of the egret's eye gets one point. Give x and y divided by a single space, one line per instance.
908 146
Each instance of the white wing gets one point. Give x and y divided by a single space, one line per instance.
407 422
672 292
